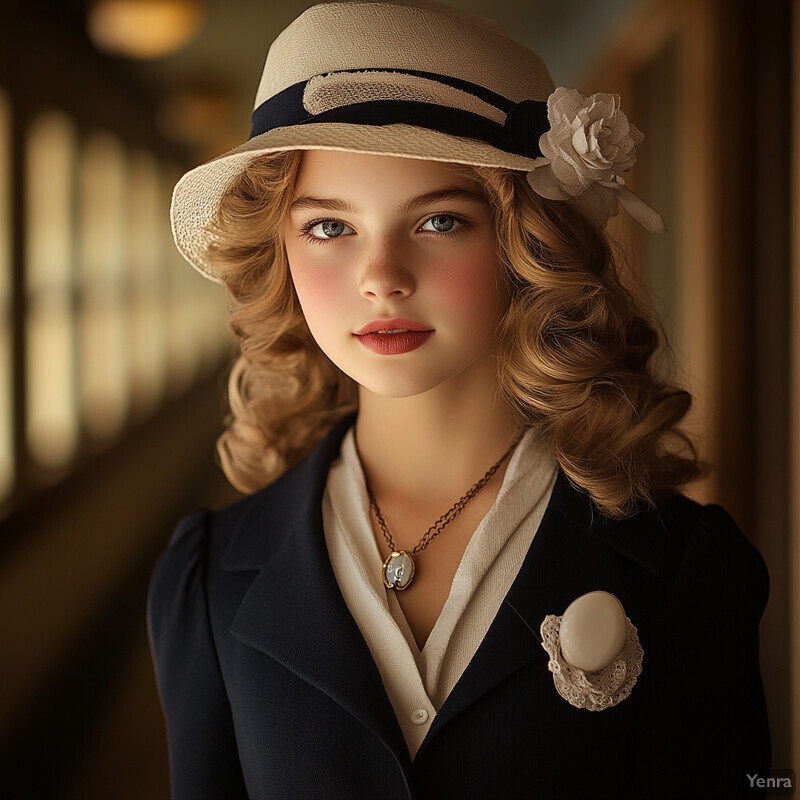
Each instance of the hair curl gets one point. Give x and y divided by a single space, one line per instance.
575 346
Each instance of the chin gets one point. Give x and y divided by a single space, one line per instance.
396 382
395 387
399 379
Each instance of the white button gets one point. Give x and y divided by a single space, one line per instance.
419 717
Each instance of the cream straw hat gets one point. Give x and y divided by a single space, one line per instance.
421 80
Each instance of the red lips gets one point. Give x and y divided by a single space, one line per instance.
393 336
390 325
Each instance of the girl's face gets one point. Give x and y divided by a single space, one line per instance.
393 261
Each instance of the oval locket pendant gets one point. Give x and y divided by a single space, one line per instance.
398 570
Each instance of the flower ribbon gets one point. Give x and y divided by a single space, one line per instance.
589 144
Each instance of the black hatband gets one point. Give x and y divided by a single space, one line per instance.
525 121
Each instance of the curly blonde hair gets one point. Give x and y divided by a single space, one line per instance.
575 346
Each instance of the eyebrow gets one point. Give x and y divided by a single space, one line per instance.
335 204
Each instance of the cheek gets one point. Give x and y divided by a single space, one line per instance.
319 289
471 287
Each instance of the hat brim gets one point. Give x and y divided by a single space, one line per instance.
198 193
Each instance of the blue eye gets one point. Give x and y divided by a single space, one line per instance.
442 223
328 229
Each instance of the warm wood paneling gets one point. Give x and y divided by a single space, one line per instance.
794 606
727 291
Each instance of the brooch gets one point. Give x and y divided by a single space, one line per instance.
594 650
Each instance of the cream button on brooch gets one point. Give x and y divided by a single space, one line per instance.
594 650
593 631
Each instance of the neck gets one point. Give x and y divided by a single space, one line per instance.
434 446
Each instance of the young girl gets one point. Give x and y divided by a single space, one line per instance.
464 568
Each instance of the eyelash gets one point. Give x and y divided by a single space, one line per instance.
305 229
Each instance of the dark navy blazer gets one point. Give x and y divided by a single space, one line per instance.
270 691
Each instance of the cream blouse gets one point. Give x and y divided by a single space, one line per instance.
418 682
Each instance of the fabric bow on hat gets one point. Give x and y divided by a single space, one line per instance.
594 650
589 144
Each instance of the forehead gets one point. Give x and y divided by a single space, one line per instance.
337 170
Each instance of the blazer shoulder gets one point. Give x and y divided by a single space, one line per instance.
724 560
189 589
200 539
182 560
678 534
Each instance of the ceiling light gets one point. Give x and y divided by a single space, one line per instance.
143 28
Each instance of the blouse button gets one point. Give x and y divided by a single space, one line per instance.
419 717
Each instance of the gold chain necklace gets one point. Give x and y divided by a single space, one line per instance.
399 567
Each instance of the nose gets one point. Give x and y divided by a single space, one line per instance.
386 273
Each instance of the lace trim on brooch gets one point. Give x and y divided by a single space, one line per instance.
597 690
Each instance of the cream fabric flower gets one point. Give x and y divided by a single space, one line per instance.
589 144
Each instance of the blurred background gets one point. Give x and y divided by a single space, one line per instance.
114 353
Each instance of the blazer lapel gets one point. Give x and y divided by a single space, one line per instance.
293 610
513 639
